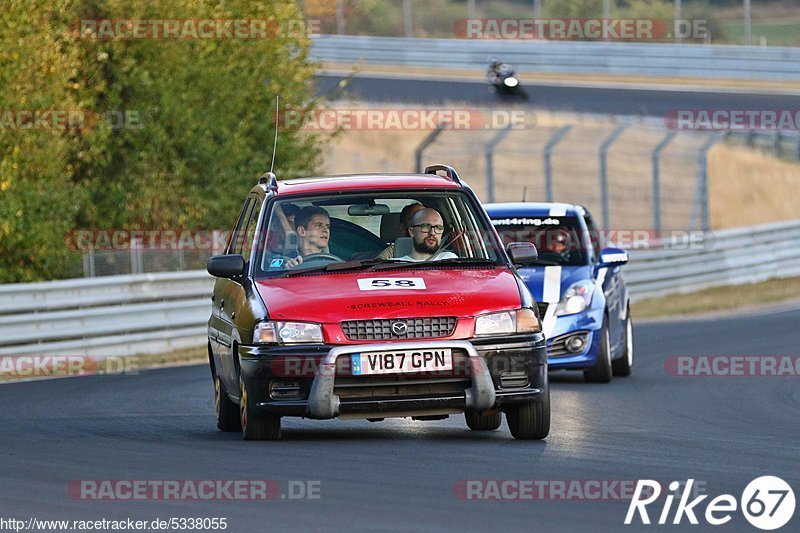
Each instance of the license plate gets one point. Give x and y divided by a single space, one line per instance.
401 362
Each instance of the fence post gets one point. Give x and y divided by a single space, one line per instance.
797 154
132 252
135 249
340 17
490 160
548 167
701 189
776 143
427 141
604 172
657 180
88 264
408 17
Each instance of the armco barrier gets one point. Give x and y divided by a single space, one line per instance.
729 257
641 59
105 316
151 313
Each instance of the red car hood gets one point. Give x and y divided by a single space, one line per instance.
331 298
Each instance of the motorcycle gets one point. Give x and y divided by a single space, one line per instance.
504 81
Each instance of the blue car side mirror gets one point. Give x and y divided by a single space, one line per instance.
613 256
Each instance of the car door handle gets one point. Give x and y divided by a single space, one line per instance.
233 315
222 304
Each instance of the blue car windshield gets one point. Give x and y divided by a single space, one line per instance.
560 240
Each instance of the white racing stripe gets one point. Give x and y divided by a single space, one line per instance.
551 293
549 320
558 211
601 277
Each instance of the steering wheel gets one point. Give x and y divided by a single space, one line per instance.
321 257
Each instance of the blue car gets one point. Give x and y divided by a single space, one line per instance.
581 294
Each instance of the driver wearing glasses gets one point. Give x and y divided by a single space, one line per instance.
313 227
426 229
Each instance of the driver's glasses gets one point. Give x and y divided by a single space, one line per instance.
438 229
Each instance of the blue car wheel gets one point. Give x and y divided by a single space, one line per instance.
601 371
624 365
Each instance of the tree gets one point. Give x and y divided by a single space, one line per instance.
191 129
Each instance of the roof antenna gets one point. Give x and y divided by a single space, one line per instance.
268 177
275 143
524 192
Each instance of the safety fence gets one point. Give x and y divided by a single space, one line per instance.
155 313
628 173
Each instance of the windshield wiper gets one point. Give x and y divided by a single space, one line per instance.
300 271
362 263
544 262
462 261
336 267
446 262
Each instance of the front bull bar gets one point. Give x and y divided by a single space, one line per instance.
323 403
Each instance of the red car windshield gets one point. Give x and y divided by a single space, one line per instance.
413 227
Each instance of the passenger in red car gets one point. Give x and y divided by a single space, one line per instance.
426 230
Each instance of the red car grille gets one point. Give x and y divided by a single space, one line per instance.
387 329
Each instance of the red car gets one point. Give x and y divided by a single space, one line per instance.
374 296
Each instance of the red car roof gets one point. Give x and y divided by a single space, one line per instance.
359 182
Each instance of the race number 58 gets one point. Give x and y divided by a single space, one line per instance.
377 284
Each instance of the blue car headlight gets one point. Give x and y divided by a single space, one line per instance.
576 299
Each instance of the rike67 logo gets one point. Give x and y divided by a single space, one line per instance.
767 503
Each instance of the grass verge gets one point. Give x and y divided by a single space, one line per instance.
179 357
42 366
719 299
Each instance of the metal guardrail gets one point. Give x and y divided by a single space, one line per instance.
729 257
151 313
648 59
105 316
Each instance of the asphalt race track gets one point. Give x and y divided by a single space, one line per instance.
614 101
398 474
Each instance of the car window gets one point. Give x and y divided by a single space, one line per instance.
366 226
235 242
594 235
252 224
557 239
